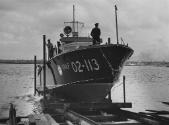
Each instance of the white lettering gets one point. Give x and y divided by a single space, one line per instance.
74 67
88 65
96 65
79 65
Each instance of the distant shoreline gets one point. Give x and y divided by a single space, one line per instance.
128 63
146 63
19 61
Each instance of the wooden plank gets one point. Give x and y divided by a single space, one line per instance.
58 117
79 119
132 122
69 123
158 112
138 117
51 120
101 118
98 106
38 119
156 117
41 119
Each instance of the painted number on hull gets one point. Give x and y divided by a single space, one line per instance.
89 65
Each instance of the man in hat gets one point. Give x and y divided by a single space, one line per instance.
50 49
95 33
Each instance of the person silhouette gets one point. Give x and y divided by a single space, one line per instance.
95 33
50 49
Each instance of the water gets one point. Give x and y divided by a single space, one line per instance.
146 88
16 86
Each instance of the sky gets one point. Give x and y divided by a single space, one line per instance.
143 24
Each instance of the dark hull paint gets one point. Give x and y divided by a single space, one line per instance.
86 92
88 74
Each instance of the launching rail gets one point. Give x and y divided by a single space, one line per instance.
64 113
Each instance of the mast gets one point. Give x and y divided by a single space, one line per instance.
75 24
116 25
73 19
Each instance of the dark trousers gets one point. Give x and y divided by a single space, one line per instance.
96 40
50 53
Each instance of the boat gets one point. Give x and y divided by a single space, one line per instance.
81 71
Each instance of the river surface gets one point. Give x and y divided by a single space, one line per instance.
146 87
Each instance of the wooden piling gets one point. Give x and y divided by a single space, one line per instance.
44 66
34 75
12 115
124 89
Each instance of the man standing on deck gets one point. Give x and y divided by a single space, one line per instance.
50 49
95 33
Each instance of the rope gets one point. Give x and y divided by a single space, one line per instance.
118 85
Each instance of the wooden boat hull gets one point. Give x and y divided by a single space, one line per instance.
86 74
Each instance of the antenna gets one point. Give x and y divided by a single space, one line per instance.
116 25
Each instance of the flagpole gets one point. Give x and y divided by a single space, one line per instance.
116 25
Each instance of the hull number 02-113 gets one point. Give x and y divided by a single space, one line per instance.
85 65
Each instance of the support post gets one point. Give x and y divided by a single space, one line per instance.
124 89
116 25
12 115
40 79
44 66
34 75
109 40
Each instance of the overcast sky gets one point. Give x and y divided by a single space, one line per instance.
143 24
